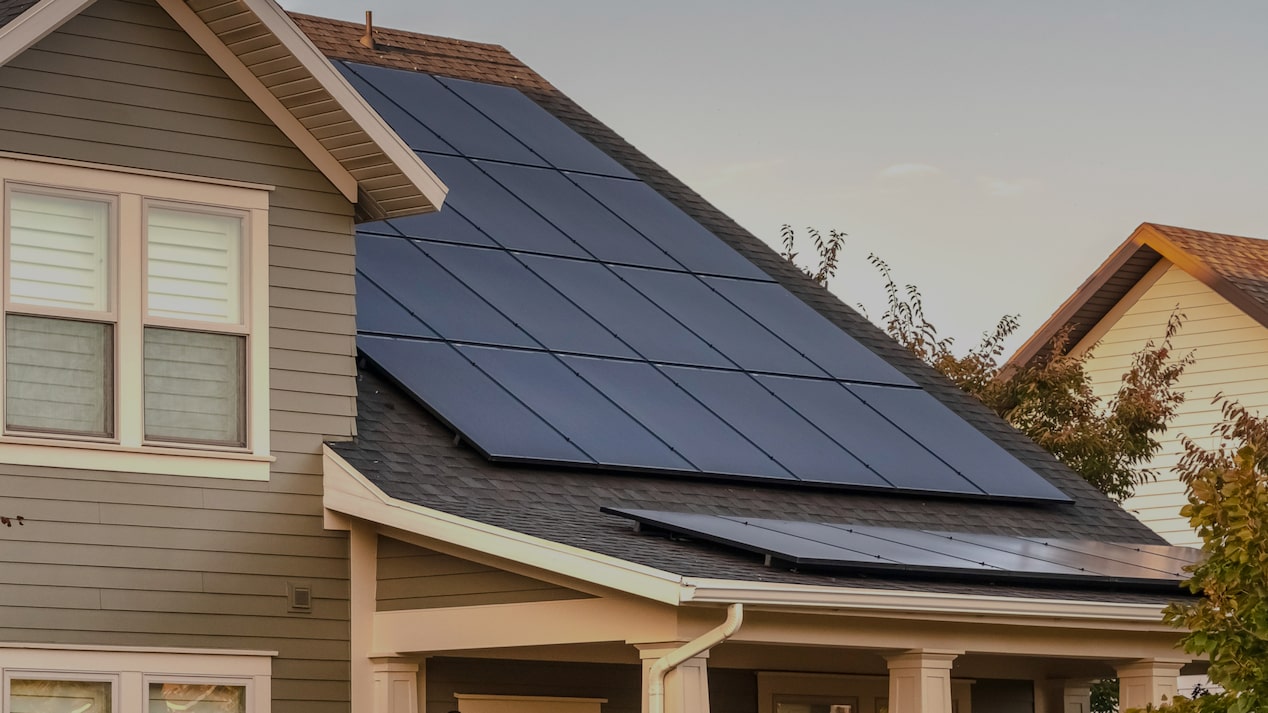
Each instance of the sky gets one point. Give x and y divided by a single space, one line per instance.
993 152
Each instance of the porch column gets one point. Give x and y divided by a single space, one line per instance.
1063 696
1147 681
920 681
395 685
686 687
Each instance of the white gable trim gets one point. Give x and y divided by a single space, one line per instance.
365 160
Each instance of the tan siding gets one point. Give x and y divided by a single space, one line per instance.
145 560
1232 357
411 577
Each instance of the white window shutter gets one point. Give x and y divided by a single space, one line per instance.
194 266
58 251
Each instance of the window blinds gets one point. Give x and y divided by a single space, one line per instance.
57 251
194 266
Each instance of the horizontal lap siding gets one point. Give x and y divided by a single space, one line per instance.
412 577
144 560
1231 352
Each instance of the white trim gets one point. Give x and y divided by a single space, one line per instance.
35 24
137 171
163 650
351 493
112 457
262 97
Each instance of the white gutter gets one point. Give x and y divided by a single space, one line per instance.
672 660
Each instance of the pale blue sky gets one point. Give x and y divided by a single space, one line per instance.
993 151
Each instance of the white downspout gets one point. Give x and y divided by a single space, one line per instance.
672 660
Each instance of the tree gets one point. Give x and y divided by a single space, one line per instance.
1051 399
1228 506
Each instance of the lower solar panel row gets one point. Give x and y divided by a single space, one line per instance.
863 548
534 406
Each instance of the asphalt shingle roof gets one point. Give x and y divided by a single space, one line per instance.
10 9
413 457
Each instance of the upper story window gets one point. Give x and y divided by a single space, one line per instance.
135 319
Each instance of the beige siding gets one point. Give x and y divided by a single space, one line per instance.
122 559
1232 358
415 578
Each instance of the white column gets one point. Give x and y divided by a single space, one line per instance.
363 556
686 687
1147 681
920 681
395 686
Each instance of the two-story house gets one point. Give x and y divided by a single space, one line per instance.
284 437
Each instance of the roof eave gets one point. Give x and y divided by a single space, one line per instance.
258 46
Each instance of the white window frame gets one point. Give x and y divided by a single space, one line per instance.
127 450
130 670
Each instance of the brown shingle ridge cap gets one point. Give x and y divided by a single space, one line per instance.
1234 266
493 64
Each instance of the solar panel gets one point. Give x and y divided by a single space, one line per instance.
718 322
666 225
777 429
445 114
886 449
411 130
462 396
482 203
952 439
648 329
578 215
605 320
431 294
526 300
536 128
574 408
696 433
861 549
807 331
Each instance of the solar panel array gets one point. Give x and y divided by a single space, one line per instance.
559 310
887 550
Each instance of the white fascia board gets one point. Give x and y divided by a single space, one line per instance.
349 492
936 604
35 24
273 17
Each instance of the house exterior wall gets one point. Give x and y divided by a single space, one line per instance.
120 559
411 577
1231 352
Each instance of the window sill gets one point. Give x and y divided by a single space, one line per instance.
86 455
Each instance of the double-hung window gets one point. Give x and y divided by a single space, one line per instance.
135 318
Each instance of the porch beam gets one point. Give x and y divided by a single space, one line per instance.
572 621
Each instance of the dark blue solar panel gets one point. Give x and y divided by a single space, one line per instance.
774 427
807 331
692 430
536 128
377 312
665 225
436 297
870 549
482 203
547 245
446 115
960 445
411 130
644 326
877 442
579 216
532 304
437 375
574 408
718 322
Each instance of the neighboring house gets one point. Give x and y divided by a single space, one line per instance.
226 513
1219 283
